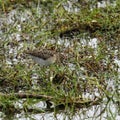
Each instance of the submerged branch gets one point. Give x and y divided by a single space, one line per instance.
26 95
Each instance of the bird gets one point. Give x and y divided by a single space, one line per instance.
45 57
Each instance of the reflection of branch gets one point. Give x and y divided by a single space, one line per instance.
26 95
72 100
63 102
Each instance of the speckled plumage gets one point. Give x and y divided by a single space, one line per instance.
44 54
43 57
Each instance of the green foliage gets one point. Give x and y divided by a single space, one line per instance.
87 69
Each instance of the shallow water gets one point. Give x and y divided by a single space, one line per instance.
84 113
